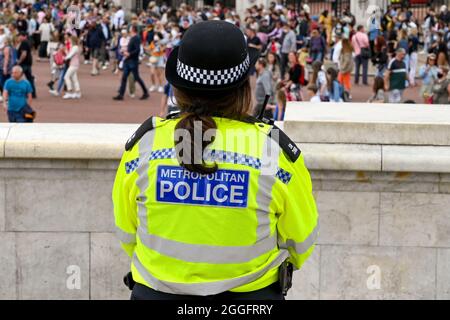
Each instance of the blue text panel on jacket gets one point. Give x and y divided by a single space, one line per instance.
227 188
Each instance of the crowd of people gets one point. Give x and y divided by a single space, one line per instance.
304 57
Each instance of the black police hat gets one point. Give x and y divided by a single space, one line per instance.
212 56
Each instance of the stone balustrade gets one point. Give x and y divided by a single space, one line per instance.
381 179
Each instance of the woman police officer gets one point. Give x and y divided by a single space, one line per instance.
212 203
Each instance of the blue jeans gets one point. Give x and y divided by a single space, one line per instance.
61 79
16 116
316 56
359 61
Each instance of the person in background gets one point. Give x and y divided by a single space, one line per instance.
346 65
374 27
131 65
25 60
21 22
253 42
106 37
57 65
326 21
95 40
395 77
335 90
71 76
428 73
318 46
273 66
281 101
337 48
33 31
380 57
288 45
45 30
360 41
441 87
67 46
378 91
413 48
17 95
156 50
403 43
6 62
263 87
313 95
319 78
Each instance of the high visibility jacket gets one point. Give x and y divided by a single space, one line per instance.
195 234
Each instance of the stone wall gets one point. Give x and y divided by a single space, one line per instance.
381 178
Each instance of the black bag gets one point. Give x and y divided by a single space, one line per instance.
28 113
365 52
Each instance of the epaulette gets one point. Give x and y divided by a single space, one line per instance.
143 129
286 144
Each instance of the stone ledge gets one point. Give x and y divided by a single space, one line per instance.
416 159
67 141
368 123
341 156
51 145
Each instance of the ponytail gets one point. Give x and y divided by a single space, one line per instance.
190 143
198 109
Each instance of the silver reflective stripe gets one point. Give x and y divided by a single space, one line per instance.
266 180
125 237
145 149
206 253
302 247
204 288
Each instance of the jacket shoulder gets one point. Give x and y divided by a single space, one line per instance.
290 149
148 125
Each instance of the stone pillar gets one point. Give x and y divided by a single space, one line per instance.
127 5
241 5
359 7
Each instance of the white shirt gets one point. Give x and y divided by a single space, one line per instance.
337 52
46 31
119 19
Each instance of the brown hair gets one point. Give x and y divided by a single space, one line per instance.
380 43
202 106
346 46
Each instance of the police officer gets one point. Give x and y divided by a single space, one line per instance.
213 203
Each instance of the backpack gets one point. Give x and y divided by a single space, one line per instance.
58 57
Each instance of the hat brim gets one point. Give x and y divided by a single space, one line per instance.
174 79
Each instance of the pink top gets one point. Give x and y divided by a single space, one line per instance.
360 40
74 56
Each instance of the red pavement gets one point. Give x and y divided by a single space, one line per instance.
97 106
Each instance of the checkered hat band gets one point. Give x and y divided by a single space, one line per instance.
212 77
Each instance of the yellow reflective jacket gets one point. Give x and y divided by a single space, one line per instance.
195 234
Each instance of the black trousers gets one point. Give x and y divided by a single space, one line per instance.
272 292
29 76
